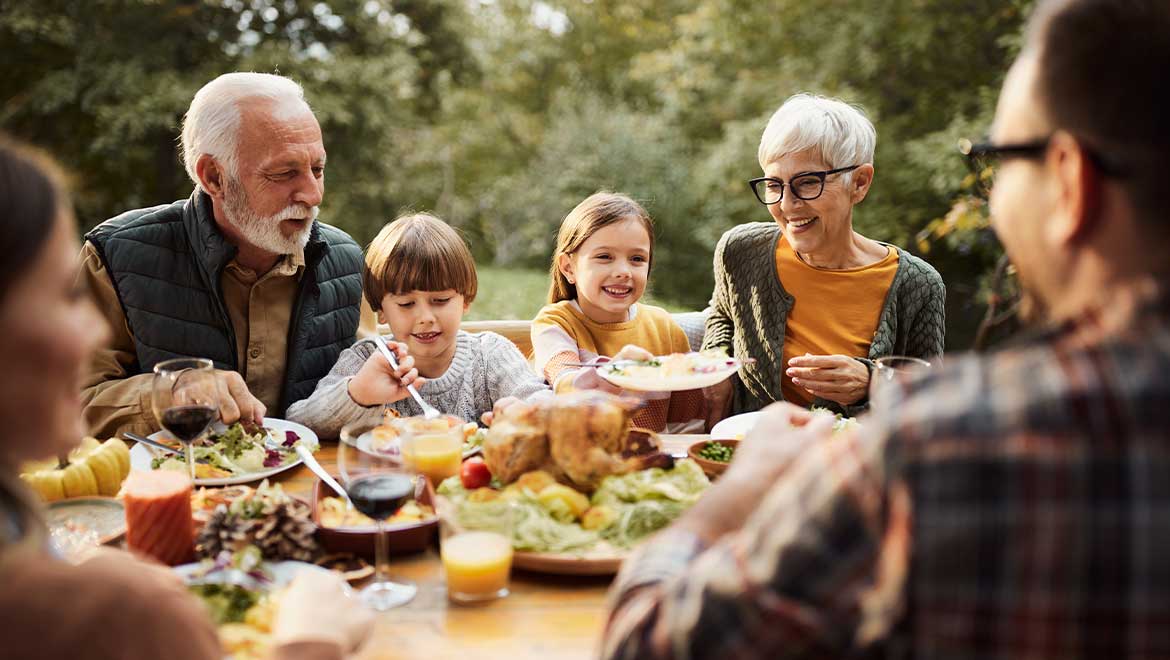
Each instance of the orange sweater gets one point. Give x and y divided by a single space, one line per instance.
844 327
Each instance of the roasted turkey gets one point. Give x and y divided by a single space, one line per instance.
580 438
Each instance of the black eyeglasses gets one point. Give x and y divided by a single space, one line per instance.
806 185
983 157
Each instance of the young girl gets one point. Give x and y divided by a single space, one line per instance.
419 278
599 272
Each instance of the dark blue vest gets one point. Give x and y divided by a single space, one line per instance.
166 264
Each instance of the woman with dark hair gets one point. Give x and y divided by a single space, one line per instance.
111 605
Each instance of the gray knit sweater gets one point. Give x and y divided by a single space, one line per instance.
485 369
750 312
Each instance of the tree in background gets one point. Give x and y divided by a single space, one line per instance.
501 115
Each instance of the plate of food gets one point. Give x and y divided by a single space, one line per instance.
234 454
560 529
585 485
242 598
81 523
671 373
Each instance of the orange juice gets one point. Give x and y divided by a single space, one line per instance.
437 456
477 565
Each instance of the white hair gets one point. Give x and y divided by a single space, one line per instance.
839 132
212 123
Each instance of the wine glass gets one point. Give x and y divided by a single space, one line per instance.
378 484
888 369
186 401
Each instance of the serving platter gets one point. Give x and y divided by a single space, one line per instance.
597 562
141 455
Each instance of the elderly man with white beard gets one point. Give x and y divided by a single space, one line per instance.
240 272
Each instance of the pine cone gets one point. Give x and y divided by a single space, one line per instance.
279 526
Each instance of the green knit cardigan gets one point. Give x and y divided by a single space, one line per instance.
749 314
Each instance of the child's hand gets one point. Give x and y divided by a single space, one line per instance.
498 409
587 379
376 383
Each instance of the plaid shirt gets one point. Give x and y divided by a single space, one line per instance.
1013 505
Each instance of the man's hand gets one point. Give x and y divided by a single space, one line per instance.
838 378
235 401
315 608
780 435
378 383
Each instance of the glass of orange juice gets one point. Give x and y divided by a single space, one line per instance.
476 550
432 447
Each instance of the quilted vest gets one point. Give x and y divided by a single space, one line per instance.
166 262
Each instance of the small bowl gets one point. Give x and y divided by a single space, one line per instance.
710 468
403 538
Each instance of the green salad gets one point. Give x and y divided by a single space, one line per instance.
234 451
551 517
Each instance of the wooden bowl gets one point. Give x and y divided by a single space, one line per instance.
403 538
711 468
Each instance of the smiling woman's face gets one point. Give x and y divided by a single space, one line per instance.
826 222
49 328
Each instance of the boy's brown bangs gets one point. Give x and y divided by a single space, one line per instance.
418 253
427 265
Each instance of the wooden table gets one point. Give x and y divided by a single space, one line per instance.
546 617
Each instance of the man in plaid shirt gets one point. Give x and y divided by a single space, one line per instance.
1009 505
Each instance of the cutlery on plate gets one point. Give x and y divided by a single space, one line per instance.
429 411
153 443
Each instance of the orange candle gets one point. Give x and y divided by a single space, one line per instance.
158 515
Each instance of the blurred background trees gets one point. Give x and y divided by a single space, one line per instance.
501 115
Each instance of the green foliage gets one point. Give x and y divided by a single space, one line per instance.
501 115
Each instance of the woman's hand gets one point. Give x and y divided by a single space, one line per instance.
838 378
377 383
316 608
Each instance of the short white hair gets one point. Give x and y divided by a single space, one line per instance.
212 123
839 132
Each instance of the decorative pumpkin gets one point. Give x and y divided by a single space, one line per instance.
92 468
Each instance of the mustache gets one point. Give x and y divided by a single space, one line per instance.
297 211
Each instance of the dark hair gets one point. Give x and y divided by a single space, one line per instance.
596 211
31 196
418 252
1102 76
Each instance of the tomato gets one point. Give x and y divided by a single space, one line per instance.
475 474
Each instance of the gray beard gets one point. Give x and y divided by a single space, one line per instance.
263 232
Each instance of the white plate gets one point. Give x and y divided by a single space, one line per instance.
735 427
658 383
281 572
141 455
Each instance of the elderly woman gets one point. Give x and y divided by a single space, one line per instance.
806 296
112 605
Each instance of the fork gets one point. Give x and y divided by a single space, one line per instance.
429 411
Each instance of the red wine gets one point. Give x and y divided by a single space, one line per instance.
380 495
187 422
